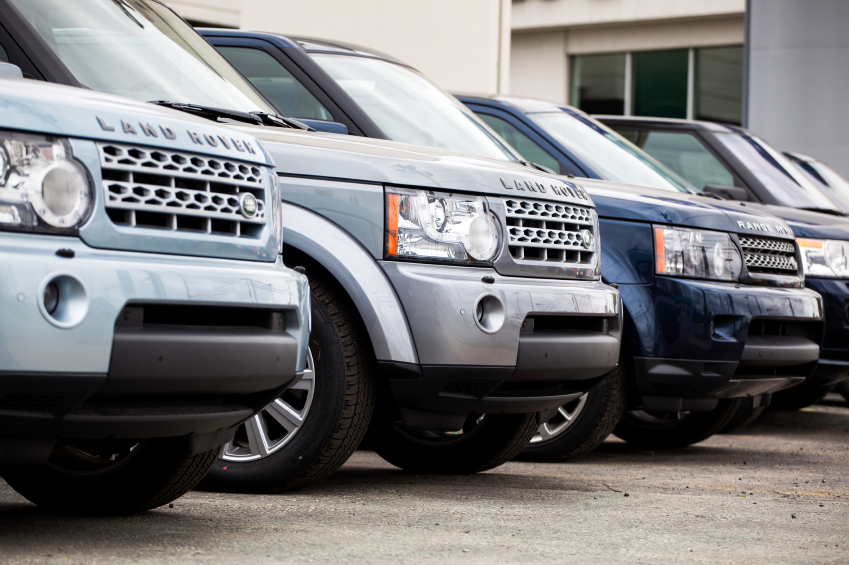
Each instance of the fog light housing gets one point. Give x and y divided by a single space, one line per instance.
51 298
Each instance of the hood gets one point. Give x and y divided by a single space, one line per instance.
39 107
377 161
803 222
626 202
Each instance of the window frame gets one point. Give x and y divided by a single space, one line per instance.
739 182
567 165
306 80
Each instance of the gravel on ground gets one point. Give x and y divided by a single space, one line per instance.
775 492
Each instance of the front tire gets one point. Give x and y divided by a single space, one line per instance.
108 478
670 431
581 425
306 434
485 442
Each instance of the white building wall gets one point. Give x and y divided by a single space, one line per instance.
218 12
542 14
799 77
461 45
539 65
547 32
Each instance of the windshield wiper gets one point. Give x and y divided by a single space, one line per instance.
209 112
281 121
831 211
538 167
256 118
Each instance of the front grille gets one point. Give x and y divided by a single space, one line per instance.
549 232
769 255
180 191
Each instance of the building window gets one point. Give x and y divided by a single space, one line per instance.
598 83
719 84
660 83
700 83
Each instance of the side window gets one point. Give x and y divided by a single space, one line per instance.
526 147
4 58
684 154
276 83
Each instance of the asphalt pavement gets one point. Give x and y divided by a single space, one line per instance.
776 492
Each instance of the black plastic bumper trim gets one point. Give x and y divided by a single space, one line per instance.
474 388
566 355
779 351
183 360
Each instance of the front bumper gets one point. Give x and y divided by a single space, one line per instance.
833 366
695 342
557 337
149 345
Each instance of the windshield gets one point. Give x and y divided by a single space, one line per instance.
141 50
409 108
779 176
826 177
608 153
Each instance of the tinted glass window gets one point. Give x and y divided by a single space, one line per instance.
598 83
786 183
407 107
684 154
272 79
139 49
826 178
3 56
526 147
719 84
660 83
607 152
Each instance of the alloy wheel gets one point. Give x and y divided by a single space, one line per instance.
560 422
277 423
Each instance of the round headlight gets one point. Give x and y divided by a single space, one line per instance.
64 194
483 238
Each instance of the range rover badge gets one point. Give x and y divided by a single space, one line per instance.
586 238
248 205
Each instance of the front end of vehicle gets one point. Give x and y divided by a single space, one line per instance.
827 272
147 309
716 317
504 300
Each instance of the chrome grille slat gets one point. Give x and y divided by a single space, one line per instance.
769 255
549 232
768 244
125 195
159 188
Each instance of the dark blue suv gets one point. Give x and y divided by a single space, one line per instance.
714 309
736 164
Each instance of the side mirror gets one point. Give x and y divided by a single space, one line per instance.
10 70
326 127
727 192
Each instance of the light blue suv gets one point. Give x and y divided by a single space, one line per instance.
146 310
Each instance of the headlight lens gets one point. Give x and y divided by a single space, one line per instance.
437 226
696 254
825 257
276 210
42 187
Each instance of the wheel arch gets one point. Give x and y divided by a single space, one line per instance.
358 274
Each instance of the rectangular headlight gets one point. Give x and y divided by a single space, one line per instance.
825 257
442 227
696 254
